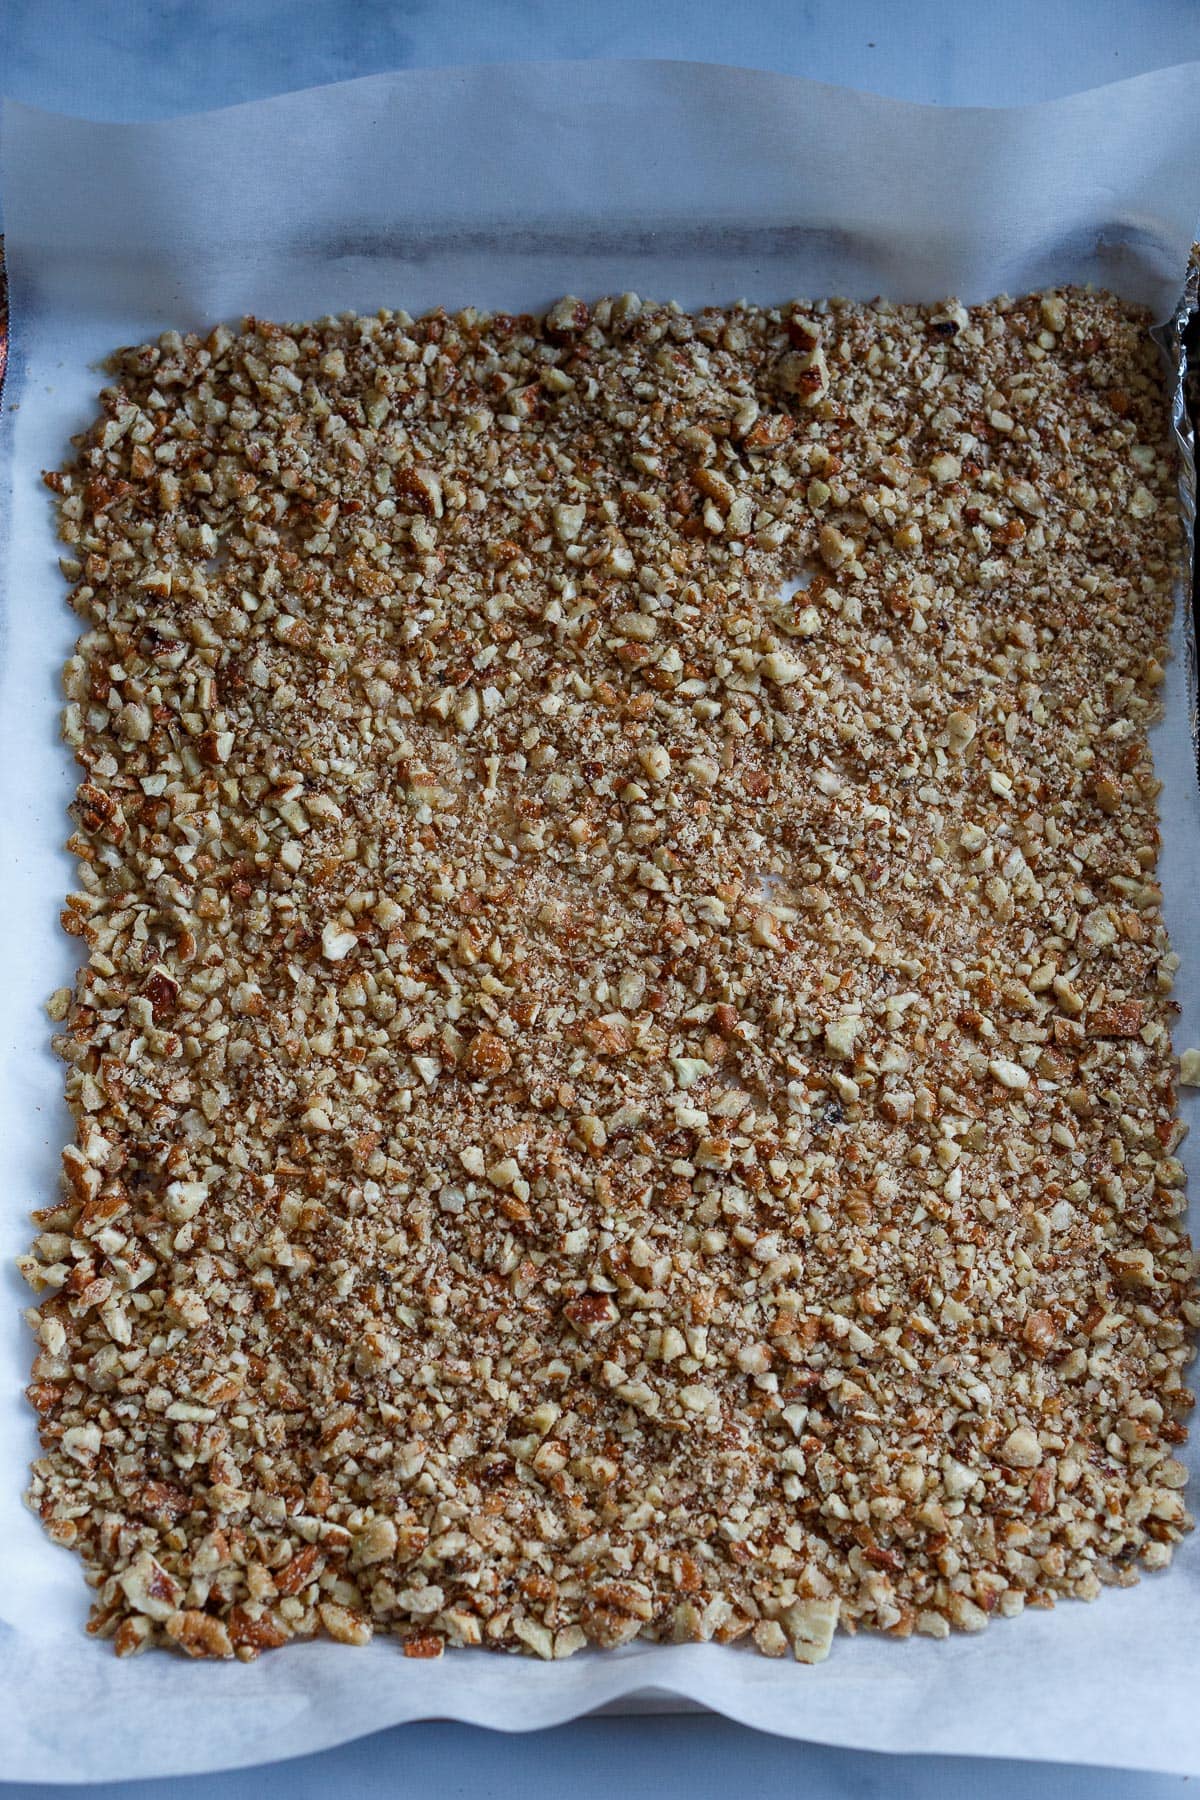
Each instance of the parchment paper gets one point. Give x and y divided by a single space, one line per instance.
506 187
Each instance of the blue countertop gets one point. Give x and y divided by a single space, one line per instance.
152 58
139 59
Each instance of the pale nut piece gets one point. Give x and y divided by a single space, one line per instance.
375 1543
1054 312
1133 1268
703 771
1026 497
134 722
183 1200
810 1625
1021 1449
656 761
535 1636
641 627
1189 1068
696 1397
960 729
1071 1001
690 1069
713 1153
568 521
804 624
965 1615
781 669
770 1637
957 1479
944 467
1009 1074
842 1034
336 944
82 1444
591 1130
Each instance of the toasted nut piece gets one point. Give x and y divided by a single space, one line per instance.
487 1056
149 1589
199 1634
566 319
803 374
1039 1333
343 1624
835 549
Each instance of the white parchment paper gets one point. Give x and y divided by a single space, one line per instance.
506 187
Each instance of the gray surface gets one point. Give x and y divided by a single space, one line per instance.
108 59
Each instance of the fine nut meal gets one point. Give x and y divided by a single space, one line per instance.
621 1067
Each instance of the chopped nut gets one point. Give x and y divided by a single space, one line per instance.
1021 1449
199 1634
782 669
803 374
842 1035
620 1062
810 1625
1054 312
337 944
771 1638
835 549
149 1589
1039 1333
960 728
568 521
343 1624
1009 1074
487 1056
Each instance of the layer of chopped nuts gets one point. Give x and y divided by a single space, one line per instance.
622 1073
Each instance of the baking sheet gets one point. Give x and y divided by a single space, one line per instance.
505 187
